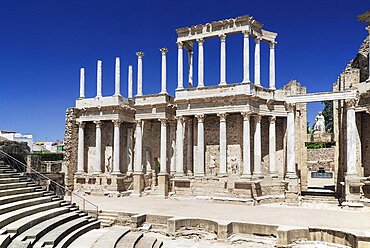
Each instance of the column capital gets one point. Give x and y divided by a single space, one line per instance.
180 44
351 103
138 123
180 119
200 41
246 33
163 50
200 117
257 118
98 124
222 37
172 122
117 123
222 116
81 124
246 115
163 121
368 28
140 54
290 107
272 119
257 39
272 44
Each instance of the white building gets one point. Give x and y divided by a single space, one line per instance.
14 136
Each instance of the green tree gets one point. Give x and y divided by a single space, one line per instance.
328 114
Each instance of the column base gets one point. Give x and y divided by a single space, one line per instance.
199 175
97 173
138 184
274 174
129 173
272 88
258 175
116 173
291 175
222 83
246 82
246 176
79 172
163 184
293 190
222 175
353 188
179 174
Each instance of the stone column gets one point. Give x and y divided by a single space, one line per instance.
99 79
351 137
223 145
98 148
180 68
200 63
189 152
138 169
272 147
257 67
140 56
81 148
129 94
200 149
82 83
272 66
116 147
291 173
246 145
129 151
118 78
173 147
257 147
164 70
246 70
180 147
190 64
163 166
223 60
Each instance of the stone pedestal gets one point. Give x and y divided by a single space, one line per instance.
292 191
163 184
138 184
353 188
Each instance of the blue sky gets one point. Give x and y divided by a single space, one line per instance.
43 44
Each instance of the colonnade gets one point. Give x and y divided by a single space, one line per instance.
246 61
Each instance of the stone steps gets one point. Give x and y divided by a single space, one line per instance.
110 239
14 185
5 208
129 240
88 239
6 192
20 197
107 219
146 242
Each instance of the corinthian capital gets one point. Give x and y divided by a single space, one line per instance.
140 54
290 107
163 50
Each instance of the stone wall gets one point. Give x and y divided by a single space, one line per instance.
322 157
365 143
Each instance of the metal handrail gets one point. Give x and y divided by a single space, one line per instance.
84 201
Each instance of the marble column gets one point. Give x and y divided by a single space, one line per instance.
257 66
223 60
200 150
116 147
173 147
291 170
180 67
190 64
98 148
130 143
129 94
351 137
81 148
138 147
246 70
246 145
99 79
164 70
82 83
117 78
223 145
257 147
180 147
200 63
163 165
272 66
368 29
189 152
140 56
272 147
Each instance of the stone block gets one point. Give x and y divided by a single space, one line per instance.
137 220
163 185
287 234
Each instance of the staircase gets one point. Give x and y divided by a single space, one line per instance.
317 195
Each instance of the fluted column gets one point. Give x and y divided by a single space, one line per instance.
190 64
189 153
118 78
129 150
81 148
223 60
246 70
180 146
173 147
129 93
351 137
272 65
291 170
246 145
99 79
223 145
138 148
163 165
140 56
180 67
200 63
257 147
98 147
200 151
272 146
116 147
164 70
82 83
257 66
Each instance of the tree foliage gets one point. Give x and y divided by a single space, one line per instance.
328 115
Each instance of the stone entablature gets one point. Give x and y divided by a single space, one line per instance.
84 103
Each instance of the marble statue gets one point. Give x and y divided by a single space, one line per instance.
319 123
212 165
